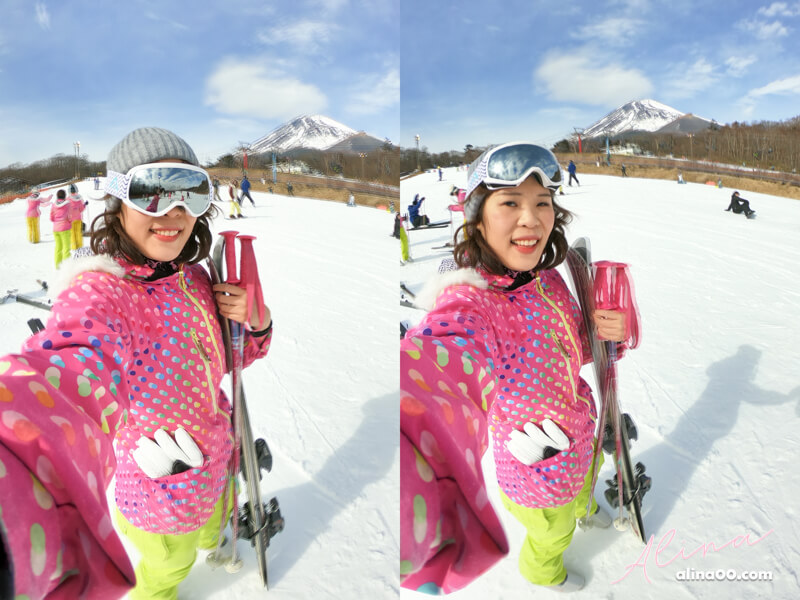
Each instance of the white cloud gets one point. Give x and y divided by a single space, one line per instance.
789 85
737 65
160 19
615 31
765 31
375 93
687 80
304 35
588 79
246 89
42 16
780 9
779 87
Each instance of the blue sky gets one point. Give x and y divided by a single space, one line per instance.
481 72
217 73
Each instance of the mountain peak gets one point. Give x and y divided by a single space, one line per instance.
638 115
304 131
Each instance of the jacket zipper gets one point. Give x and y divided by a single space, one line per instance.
554 337
198 344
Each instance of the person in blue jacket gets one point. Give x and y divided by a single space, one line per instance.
246 190
413 212
572 169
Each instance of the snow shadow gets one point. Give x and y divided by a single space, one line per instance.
338 486
672 463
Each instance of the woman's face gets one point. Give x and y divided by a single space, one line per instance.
516 223
159 238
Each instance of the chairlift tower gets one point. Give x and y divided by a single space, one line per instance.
578 133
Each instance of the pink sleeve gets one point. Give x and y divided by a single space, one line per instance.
449 532
256 347
61 402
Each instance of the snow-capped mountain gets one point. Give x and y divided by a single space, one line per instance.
639 115
307 131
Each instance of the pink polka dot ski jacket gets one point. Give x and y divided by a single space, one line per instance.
486 360
120 357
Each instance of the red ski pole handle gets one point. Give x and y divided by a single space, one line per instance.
613 290
230 256
248 272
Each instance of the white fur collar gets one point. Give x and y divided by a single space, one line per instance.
438 283
70 269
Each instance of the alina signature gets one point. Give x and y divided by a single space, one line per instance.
662 555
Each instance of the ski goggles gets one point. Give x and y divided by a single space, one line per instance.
508 165
154 189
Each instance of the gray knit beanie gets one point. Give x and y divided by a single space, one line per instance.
142 146
146 145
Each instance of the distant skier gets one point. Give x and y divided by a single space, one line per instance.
680 178
35 202
417 220
440 173
62 226
572 170
236 190
400 233
77 206
246 190
236 211
739 205
624 170
215 185
351 200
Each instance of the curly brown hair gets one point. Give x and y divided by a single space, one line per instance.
109 237
473 250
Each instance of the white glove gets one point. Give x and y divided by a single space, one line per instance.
164 457
534 444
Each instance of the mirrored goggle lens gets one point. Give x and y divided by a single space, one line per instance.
155 189
511 163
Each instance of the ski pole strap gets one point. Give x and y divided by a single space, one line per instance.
248 272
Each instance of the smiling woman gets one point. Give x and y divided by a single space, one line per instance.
499 353
105 373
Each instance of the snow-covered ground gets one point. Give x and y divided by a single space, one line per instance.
325 398
714 388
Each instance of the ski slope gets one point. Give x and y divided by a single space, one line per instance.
714 388
325 398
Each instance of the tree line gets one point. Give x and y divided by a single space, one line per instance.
762 144
19 177
380 165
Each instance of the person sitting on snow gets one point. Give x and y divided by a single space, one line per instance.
413 212
740 205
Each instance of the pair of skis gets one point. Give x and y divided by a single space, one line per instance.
407 296
34 324
609 289
254 520
29 299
